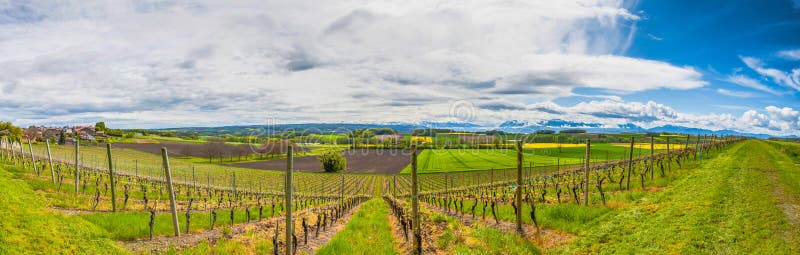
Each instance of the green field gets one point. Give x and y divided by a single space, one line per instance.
450 160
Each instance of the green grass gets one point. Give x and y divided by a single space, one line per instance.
567 217
368 232
133 225
449 160
255 244
27 227
458 239
497 242
727 206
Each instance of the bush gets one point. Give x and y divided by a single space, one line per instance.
333 162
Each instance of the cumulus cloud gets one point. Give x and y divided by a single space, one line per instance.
223 62
610 112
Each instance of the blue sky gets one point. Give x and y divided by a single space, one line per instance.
162 63
713 36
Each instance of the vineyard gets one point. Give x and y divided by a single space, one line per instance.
523 200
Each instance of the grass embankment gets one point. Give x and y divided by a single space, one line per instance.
732 204
28 227
368 232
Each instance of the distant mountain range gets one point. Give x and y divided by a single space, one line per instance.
516 126
557 124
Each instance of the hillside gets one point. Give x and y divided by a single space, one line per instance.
29 227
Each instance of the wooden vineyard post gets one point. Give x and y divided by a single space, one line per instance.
518 190
33 157
696 146
669 157
11 148
687 143
168 174
446 179
50 160
22 153
415 203
77 175
111 179
7 147
586 172
341 189
652 159
491 179
288 194
136 169
630 166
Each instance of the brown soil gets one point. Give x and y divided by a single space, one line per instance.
214 150
373 161
403 243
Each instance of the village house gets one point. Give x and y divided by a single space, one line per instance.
51 133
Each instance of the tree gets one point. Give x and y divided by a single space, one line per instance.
214 147
333 161
32 133
61 139
100 126
12 131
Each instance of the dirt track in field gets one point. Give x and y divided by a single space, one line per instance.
374 161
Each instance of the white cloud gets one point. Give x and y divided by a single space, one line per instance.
222 62
777 76
784 114
751 83
651 36
755 119
740 94
789 54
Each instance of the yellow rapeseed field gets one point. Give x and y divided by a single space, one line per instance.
540 145
421 139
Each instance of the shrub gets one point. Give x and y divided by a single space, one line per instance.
333 161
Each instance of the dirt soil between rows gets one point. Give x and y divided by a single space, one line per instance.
359 161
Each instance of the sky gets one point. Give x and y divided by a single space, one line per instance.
149 64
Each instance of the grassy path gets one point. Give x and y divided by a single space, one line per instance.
731 205
28 227
368 232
